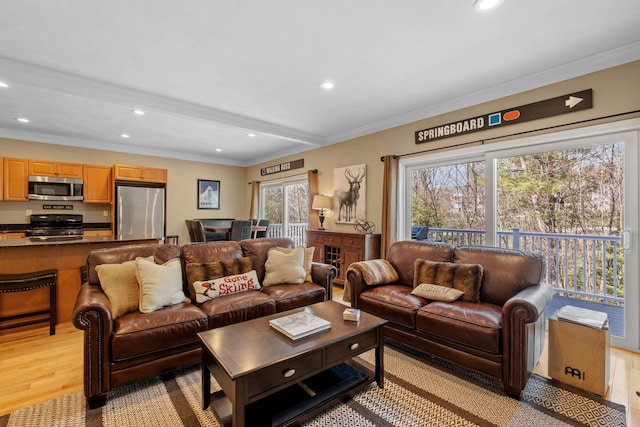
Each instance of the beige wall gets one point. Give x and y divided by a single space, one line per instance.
181 186
615 91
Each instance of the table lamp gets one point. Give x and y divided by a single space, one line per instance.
321 203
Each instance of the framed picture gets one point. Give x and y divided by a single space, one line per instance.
349 193
208 194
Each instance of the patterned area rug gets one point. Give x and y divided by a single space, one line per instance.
418 392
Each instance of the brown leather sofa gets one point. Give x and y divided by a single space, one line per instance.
139 345
501 335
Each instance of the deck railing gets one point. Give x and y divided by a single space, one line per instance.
295 231
583 266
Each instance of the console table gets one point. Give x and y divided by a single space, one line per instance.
342 249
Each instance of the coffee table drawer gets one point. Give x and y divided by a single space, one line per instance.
351 347
283 372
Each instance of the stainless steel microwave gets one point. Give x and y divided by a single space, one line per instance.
54 188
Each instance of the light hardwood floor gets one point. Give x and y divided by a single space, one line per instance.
36 367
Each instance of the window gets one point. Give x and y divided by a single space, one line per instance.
560 195
286 205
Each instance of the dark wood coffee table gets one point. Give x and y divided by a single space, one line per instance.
251 360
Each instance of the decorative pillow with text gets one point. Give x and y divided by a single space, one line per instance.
437 293
227 285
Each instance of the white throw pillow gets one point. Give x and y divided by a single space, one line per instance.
308 260
283 268
160 285
209 289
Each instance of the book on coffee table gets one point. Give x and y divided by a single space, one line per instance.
299 325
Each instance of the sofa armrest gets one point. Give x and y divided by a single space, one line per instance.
523 334
92 313
323 275
356 282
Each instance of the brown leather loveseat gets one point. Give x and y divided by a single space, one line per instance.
497 329
131 346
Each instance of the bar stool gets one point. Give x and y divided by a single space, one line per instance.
26 282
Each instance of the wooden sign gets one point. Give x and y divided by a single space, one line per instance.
538 110
61 207
282 167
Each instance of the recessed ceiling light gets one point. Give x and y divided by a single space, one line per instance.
251 135
138 112
327 85
218 149
125 135
483 5
3 84
23 119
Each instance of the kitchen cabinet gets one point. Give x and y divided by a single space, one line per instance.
98 184
1 178
97 233
342 249
57 169
139 173
15 174
11 235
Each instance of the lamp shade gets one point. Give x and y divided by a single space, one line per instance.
321 202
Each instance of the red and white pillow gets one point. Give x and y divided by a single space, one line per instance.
209 289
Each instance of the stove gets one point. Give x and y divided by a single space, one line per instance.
55 227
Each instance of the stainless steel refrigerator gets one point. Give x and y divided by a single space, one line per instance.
140 210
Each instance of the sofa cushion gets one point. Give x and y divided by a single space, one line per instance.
392 302
403 254
288 297
476 325
119 283
506 271
227 285
282 268
235 308
160 285
308 260
137 334
376 271
464 277
436 292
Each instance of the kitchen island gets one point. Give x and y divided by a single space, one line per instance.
68 256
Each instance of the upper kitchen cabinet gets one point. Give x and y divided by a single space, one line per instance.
15 185
58 169
97 184
139 173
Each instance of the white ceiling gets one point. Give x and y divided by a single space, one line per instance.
208 72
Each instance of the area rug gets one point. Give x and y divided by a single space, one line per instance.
418 392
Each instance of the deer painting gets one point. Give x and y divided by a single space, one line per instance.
347 200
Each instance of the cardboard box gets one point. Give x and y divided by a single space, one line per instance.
579 355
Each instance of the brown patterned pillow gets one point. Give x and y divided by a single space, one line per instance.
464 277
201 272
376 271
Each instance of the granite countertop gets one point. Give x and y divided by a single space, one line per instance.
31 242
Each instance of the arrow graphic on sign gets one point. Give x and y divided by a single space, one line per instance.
572 101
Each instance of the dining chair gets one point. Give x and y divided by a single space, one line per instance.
264 223
240 229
